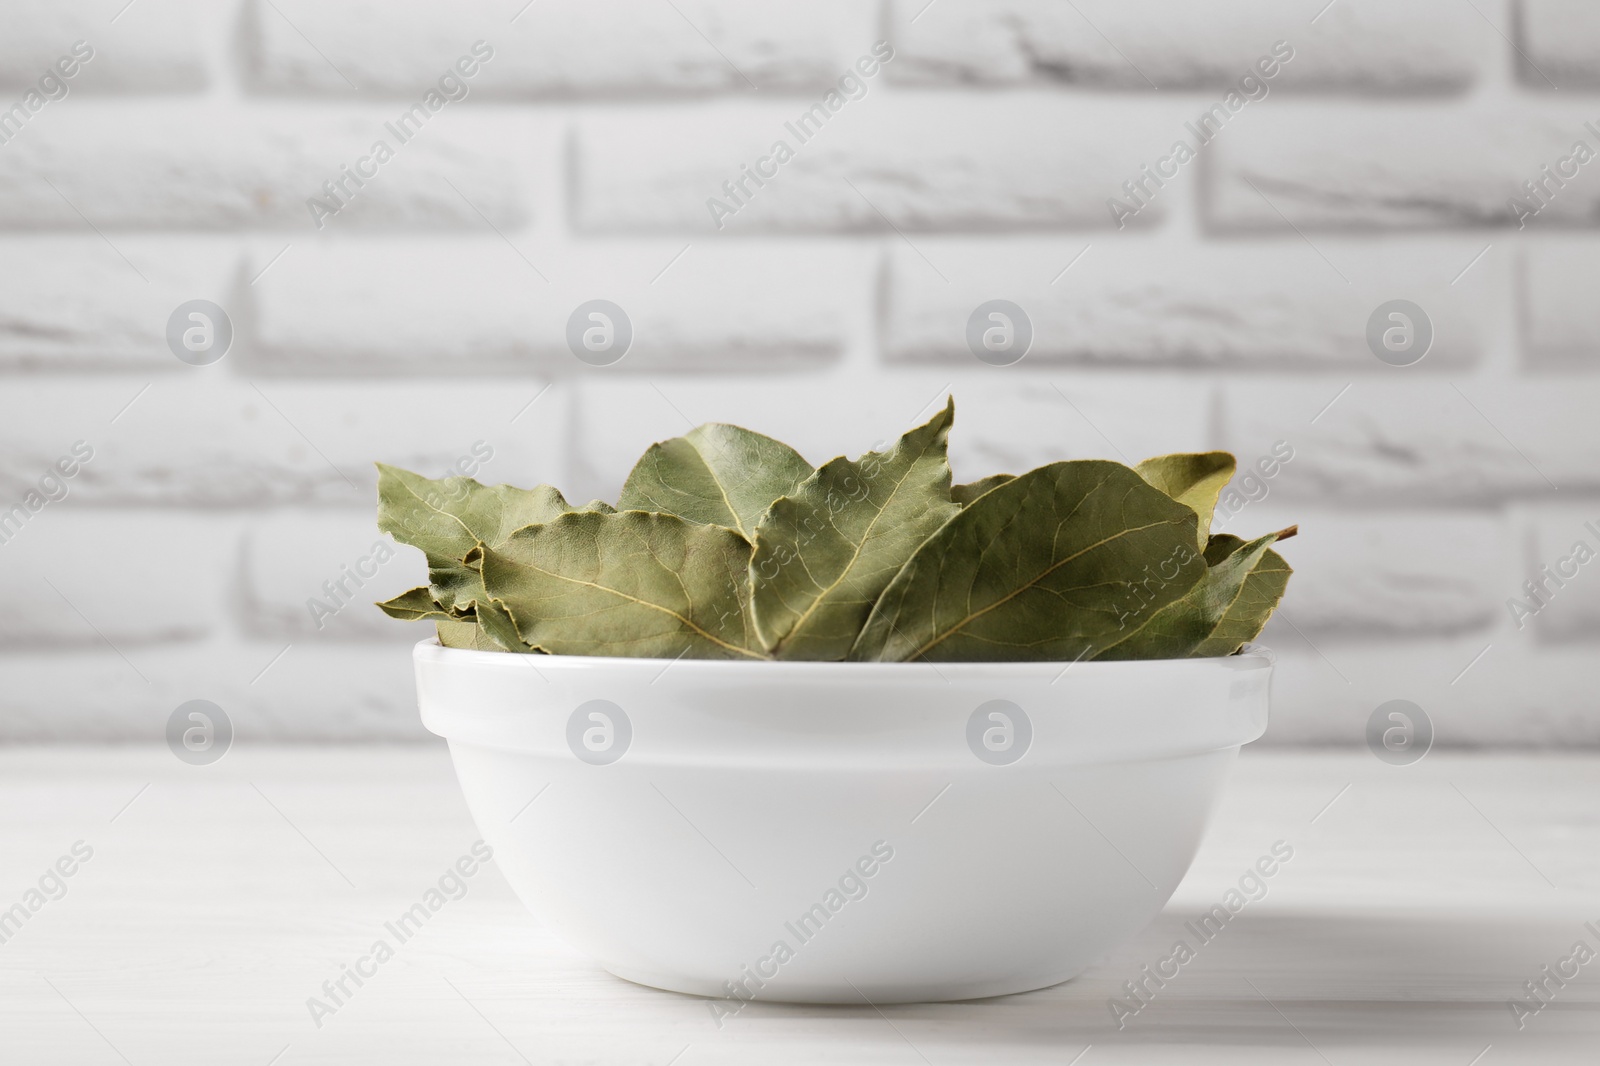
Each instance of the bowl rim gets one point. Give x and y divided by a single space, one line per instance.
1251 655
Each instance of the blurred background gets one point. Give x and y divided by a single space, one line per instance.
1200 215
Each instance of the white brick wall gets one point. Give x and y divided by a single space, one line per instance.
560 48
1262 304
828 308
470 305
1439 164
138 165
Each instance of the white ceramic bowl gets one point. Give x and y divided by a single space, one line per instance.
861 815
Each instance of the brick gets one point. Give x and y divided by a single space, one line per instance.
1409 166
557 49
1568 612
1560 44
314 691
1001 426
1266 305
1468 442
131 578
1381 573
288 557
1361 45
1324 694
376 307
1559 316
915 163
154 48
215 166
76 303
202 439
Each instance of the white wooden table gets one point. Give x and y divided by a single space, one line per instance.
218 899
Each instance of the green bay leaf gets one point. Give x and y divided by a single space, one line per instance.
413 605
470 634
1038 568
448 517
1248 614
631 583
716 474
1178 628
485 627
824 553
1195 479
497 629
458 633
